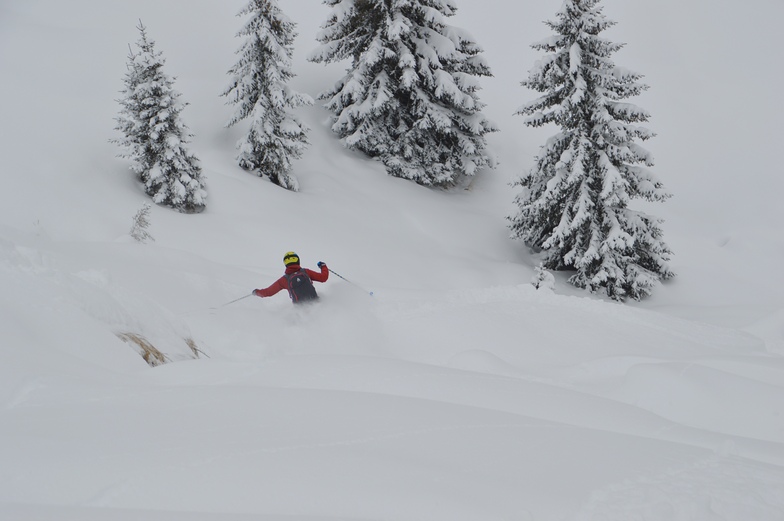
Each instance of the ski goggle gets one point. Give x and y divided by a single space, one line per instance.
290 258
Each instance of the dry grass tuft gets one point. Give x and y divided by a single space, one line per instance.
196 351
148 351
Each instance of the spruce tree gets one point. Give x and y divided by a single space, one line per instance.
259 88
410 96
574 204
154 137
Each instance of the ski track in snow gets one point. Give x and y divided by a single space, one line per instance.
718 488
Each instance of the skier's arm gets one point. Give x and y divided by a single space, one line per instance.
319 276
277 286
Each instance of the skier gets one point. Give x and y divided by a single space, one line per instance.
297 280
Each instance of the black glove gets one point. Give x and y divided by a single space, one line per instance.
321 264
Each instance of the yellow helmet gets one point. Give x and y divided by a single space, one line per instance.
290 258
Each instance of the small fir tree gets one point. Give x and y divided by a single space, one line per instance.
410 95
154 137
574 205
543 278
141 222
259 88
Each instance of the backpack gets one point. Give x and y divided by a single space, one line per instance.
301 287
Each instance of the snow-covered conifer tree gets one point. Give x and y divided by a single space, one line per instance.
154 137
259 88
410 95
574 204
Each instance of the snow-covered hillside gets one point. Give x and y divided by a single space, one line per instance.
457 391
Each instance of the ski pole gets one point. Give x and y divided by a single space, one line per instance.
357 285
233 301
218 307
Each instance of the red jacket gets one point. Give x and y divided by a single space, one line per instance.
283 283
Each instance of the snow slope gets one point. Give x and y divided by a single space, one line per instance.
457 391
